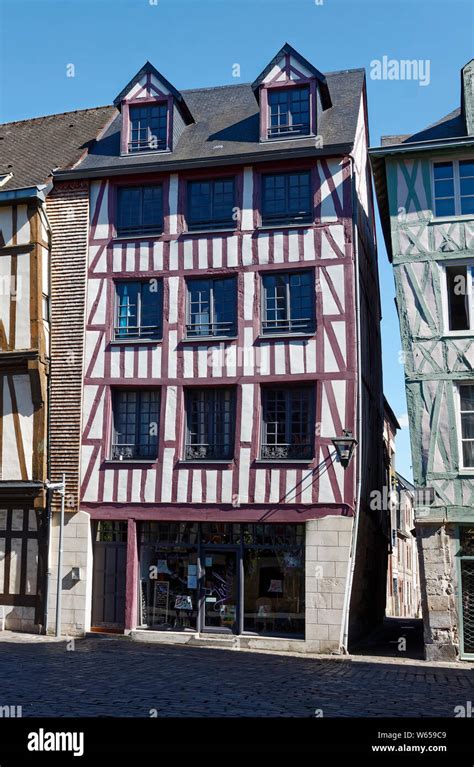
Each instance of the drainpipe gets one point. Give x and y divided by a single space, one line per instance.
48 439
355 528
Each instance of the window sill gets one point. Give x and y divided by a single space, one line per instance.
115 461
211 230
271 461
228 463
451 219
207 339
135 341
137 236
458 333
299 225
146 152
279 139
271 336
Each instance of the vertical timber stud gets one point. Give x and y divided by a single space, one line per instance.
131 576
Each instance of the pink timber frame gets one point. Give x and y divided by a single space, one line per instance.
151 95
275 84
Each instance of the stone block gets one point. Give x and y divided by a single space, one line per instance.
331 617
344 539
332 553
338 523
337 601
317 631
332 585
341 569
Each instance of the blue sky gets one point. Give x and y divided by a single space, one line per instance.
195 43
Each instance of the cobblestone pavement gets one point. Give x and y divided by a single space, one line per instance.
119 677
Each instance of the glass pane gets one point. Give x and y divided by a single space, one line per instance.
150 320
301 299
274 591
467 541
445 207
225 299
276 315
220 589
199 302
444 188
467 424
467 205
127 309
443 170
467 397
468 454
169 588
458 299
466 168
467 186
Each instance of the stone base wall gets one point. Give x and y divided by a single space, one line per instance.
18 619
328 542
76 595
439 587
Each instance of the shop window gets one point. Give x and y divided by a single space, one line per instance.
274 583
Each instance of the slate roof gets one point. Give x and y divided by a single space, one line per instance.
452 125
227 117
31 149
226 127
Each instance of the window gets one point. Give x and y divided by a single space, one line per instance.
135 417
288 112
466 396
140 210
211 204
286 198
287 423
138 310
210 424
288 303
454 188
459 287
148 127
211 307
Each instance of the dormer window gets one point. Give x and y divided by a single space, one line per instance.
289 112
148 127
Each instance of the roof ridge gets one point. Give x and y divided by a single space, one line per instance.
214 87
57 114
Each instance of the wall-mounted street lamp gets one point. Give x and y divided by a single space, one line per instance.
344 448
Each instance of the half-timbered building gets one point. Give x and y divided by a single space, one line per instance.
425 188
231 332
29 151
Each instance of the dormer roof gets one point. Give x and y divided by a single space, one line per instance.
308 68
149 69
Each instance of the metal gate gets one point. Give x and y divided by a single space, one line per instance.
108 580
467 591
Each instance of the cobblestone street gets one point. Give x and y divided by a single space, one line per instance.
118 677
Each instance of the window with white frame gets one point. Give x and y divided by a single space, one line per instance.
453 187
459 296
466 405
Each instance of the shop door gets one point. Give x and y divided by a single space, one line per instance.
108 585
221 590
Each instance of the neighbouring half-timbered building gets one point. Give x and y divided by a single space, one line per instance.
425 188
29 151
231 332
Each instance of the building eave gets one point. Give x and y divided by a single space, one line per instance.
204 162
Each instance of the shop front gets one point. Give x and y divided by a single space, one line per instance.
222 578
